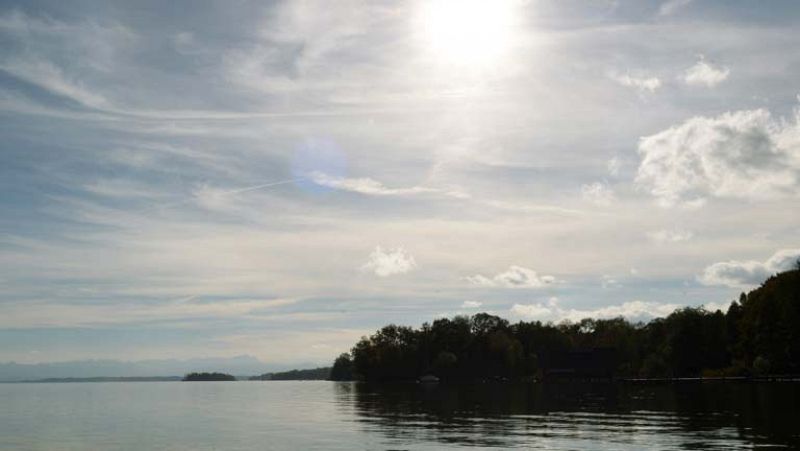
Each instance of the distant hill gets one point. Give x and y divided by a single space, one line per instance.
316 374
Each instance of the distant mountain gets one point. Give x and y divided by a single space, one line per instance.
240 365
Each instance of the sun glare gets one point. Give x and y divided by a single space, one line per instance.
470 32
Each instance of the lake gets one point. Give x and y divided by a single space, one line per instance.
348 416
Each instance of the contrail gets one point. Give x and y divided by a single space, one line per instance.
265 185
226 193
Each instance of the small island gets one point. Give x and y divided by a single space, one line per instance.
204 377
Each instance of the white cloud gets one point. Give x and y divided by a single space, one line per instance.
598 193
671 6
514 277
532 311
705 74
471 304
614 165
372 187
743 154
641 84
669 236
736 273
389 262
364 185
633 310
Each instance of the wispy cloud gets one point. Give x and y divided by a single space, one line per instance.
53 314
598 193
641 84
47 76
365 185
669 236
671 6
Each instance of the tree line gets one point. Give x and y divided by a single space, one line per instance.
759 334
315 374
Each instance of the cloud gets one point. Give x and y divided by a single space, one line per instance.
598 193
607 281
514 277
669 236
743 154
641 84
471 304
552 311
49 77
736 273
705 74
531 311
51 314
671 6
614 165
372 187
364 185
390 262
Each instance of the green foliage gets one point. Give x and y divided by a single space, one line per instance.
759 334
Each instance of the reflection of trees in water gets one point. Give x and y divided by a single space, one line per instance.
696 415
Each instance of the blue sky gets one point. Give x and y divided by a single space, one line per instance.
210 179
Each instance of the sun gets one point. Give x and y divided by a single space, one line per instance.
468 32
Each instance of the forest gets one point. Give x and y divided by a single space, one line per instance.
758 335
315 374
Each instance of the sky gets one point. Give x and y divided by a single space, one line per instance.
276 179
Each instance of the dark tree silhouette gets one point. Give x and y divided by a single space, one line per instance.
342 369
759 334
197 377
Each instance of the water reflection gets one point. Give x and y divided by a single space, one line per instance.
580 416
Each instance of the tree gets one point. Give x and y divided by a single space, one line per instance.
342 369
759 334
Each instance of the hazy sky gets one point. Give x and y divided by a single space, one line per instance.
190 179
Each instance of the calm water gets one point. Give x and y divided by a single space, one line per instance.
342 416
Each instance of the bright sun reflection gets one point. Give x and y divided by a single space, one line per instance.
469 32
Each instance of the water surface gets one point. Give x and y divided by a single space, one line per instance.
339 416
